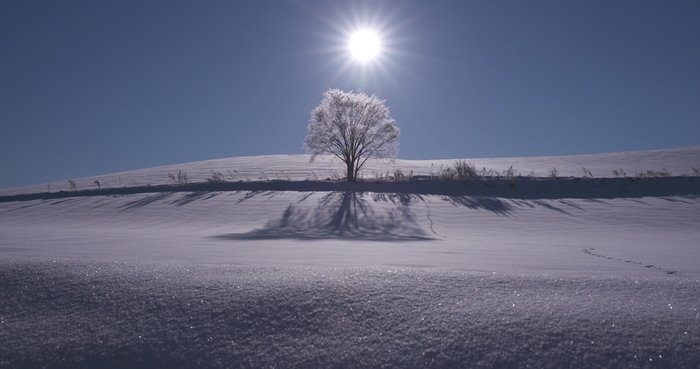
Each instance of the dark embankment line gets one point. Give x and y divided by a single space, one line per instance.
522 188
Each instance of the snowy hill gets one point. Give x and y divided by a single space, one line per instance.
281 265
297 167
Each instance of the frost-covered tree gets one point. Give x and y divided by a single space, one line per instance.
354 128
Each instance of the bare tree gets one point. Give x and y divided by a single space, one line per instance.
354 128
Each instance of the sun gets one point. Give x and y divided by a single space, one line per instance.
364 45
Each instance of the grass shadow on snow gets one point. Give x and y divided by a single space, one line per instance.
139 203
492 204
344 214
194 196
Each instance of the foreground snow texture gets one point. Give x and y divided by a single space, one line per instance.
293 273
97 314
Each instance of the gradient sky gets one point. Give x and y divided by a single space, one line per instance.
96 87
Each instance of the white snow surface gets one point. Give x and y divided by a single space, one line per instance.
283 266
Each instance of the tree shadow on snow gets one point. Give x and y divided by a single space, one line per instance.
345 214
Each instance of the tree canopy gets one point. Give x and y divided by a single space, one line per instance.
354 128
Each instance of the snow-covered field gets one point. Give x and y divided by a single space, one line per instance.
280 267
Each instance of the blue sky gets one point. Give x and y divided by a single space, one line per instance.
96 87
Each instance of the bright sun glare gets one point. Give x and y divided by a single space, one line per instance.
364 45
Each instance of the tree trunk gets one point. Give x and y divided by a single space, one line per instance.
351 171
